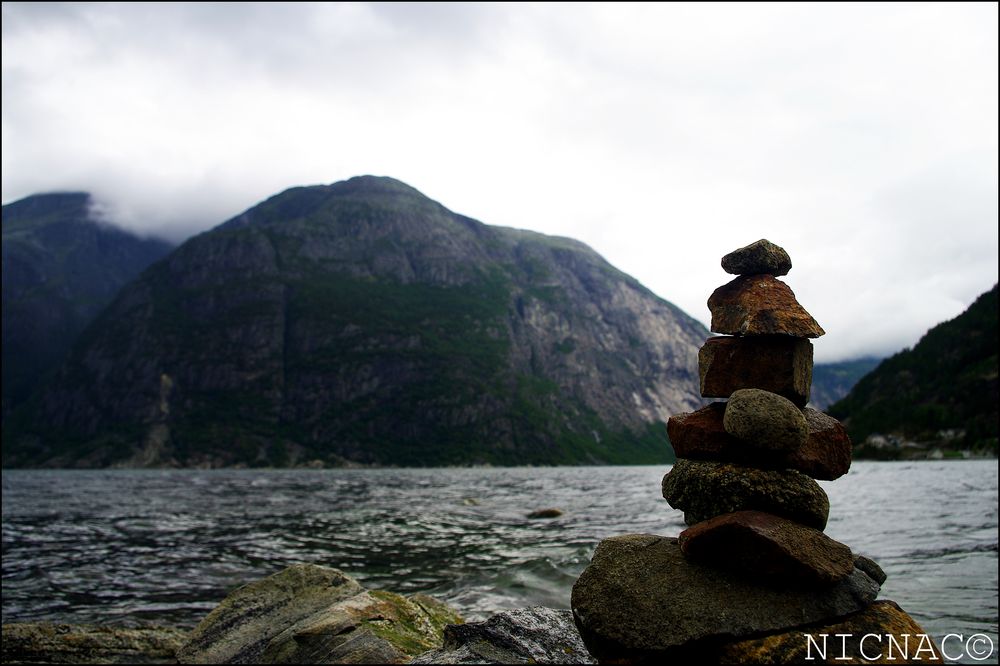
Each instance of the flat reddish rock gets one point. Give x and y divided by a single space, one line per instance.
760 257
700 435
761 544
777 363
760 305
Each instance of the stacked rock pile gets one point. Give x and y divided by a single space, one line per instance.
757 452
754 576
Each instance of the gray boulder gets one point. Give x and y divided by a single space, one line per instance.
766 420
703 490
522 636
641 601
760 257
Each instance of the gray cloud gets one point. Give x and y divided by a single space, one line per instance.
861 137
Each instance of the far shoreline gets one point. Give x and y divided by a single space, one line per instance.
308 468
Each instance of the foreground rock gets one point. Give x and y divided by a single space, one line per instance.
758 544
640 600
704 489
522 636
314 614
46 643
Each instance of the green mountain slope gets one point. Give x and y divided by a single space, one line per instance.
60 268
363 322
948 381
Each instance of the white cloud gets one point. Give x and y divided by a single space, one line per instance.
863 138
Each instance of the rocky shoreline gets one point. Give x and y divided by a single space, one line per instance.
312 614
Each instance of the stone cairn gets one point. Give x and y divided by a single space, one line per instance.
753 578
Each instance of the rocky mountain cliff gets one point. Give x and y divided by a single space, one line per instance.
944 389
361 322
60 269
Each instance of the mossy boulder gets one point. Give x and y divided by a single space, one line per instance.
314 614
50 643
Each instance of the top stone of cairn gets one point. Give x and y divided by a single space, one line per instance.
756 258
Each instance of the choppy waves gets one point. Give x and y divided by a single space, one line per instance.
133 546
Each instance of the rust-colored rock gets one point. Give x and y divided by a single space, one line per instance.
909 644
760 257
777 363
760 305
827 452
762 545
700 435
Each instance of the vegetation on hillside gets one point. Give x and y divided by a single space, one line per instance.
942 391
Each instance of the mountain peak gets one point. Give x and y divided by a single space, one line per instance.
38 209
368 184
60 268
361 321
310 201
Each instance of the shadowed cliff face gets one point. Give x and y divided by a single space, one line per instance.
363 322
60 268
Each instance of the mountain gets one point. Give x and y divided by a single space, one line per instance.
832 381
60 268
362 322
944 389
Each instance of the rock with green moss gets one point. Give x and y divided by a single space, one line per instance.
50 643
314 614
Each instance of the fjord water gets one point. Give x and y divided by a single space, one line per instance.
165 546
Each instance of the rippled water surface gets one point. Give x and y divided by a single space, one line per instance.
133 546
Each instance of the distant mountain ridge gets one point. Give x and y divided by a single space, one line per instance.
944 388
60 268
833 381
362 322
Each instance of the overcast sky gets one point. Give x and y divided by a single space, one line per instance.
860 137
